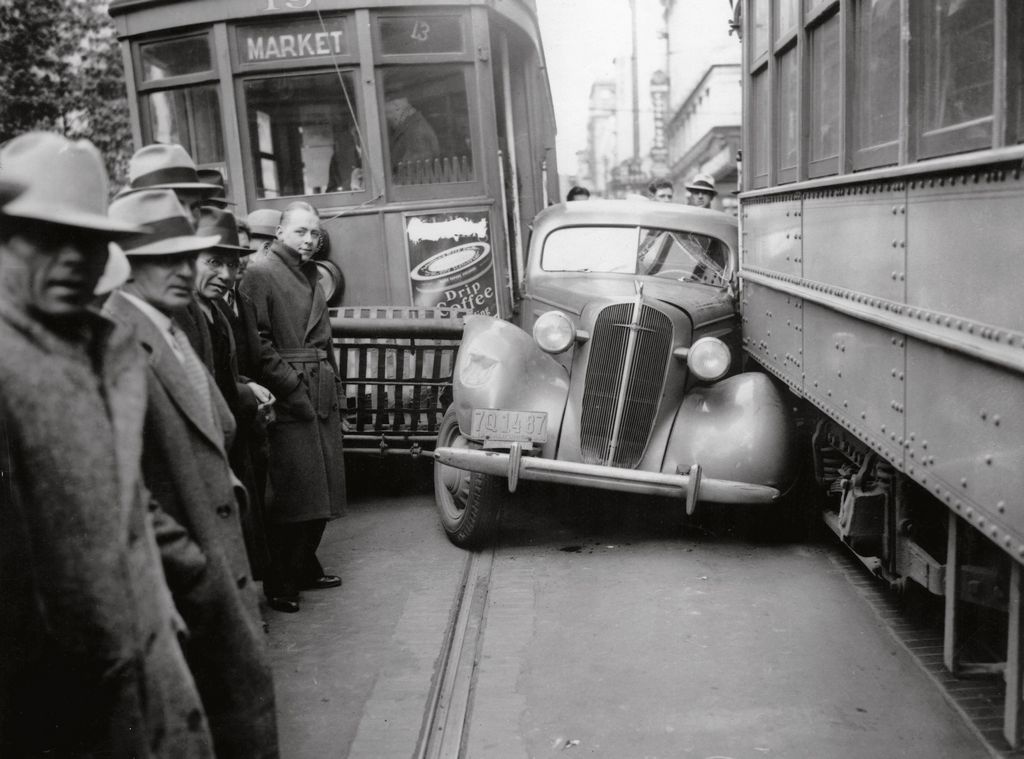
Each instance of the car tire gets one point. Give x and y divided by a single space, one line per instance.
468 503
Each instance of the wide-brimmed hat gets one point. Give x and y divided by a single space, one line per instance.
263 222
165 167
64 183
168 225
214 221
220 198
703 183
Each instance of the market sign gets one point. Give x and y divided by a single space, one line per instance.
309 38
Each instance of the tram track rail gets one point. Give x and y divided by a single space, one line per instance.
450 702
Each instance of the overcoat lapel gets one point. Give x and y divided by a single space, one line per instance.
317 310
124 385
170 372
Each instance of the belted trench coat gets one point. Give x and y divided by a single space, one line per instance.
307 471
186 467
90 663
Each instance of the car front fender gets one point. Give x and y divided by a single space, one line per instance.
499 366
738 429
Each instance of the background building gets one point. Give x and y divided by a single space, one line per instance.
705 100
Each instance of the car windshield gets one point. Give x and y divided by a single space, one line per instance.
668 253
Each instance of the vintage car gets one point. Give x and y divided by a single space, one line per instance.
621 372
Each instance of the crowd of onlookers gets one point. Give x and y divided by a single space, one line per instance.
700 191
170 433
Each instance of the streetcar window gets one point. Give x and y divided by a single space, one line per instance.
759 125
958 41
759 21
786 17
877 69
303 134
426 114
789 125
412 35
187 116
177 57
824 96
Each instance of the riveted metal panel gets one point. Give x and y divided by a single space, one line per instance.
965 435
855 373
773 331
841 249
771 236
974 225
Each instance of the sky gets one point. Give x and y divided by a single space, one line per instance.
581 39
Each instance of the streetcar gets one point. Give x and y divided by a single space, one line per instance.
422 132
881 223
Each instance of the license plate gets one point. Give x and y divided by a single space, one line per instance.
511 426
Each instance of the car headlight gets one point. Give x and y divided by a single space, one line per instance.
554 332
709 359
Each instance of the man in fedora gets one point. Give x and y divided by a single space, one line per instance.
263 224
232 343
91 663
307 474
702 190
184 459
169 167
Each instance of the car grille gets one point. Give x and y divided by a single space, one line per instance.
606 373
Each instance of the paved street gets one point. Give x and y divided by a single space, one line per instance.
610 631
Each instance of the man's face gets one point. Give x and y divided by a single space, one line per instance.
300 231
216 271
701 198
664 194
192 200
164 282
50 270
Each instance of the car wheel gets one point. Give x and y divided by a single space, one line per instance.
468 502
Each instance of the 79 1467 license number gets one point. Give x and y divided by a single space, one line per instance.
511 426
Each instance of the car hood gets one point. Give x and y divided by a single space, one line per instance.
572 292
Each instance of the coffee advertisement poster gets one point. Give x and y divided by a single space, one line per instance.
451 263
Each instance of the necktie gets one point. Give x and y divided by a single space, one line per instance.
229 298
194 369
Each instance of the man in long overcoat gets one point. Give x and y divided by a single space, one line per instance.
188 428
307 474
91 663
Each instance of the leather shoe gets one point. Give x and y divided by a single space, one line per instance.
287 604
323 582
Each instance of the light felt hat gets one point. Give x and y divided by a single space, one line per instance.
214 221
166 167
702 182
263 222
65 183
168 226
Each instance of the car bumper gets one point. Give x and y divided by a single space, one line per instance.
692 485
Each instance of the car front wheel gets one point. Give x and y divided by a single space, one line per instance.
468 502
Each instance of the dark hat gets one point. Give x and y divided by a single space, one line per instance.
168 225
214 221
64 183
702 182
165 167
214 177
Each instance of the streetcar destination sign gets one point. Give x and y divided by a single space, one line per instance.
299 39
